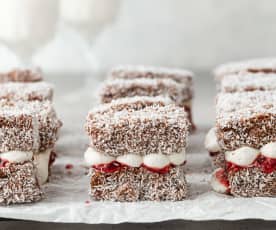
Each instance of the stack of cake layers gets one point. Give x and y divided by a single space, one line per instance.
243 142
138 135
29 130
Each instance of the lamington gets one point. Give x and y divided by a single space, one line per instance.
21 75
248 82
232 84
120 88
246 133
16 91
258 65
131 72
183 77
238 82
29 131
137 150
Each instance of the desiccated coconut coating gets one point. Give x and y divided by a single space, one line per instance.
26 91
138 184
251 182
130 72
27 126
119 88
136 103
153 129
246 118
265 65
21 75
18 184
248 82
218 160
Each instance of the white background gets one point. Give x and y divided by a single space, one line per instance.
194 34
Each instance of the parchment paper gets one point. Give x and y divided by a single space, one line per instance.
67 197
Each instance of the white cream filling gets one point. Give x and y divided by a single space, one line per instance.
216 184
16 156
156 160
243 156
269 150
211 141
92 157
41 161
130 159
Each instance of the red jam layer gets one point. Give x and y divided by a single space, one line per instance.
3 162
116 166
268 165
222 177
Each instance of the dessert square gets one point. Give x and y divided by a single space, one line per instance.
246 118
21 75
139 131
28 126
245 133
248 82
29 131
137 150
182 76
18 182
260 65
26 91
139 184
119 88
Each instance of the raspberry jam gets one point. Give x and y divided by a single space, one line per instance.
3 162
268 165
108 168
116 166
222 178
163 170
69 166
